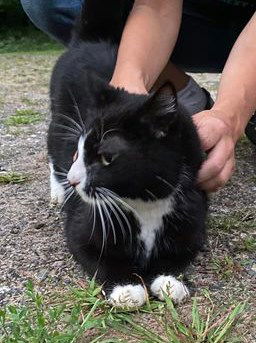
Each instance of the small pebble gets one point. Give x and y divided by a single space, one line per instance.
15 230
42 275
39 226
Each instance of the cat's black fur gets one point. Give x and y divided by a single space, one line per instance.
154 141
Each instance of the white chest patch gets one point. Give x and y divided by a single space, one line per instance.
150 216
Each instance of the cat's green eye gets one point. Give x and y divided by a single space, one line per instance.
106 159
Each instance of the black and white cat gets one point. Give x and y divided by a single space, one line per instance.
125 166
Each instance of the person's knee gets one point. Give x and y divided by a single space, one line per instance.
55 17
39 12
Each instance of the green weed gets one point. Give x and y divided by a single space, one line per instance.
28 101
23 117
247 244
214 326
38 322
225 267
26 39
238 220
83 313
12 177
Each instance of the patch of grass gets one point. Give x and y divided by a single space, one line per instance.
28 101
12 177
212 327
225 267
239 220
39 322
26 39
82 315
247 244
23 117
15 131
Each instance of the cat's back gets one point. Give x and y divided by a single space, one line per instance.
81 59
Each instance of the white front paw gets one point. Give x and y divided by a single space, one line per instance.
170 286
128 296
57 190
57 196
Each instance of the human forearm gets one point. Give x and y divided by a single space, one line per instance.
236 98
220 128
147 42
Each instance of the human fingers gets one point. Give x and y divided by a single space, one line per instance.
221 179
216 160
210 129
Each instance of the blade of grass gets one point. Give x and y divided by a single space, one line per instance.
228 322
140 329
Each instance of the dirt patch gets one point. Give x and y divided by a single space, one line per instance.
32 244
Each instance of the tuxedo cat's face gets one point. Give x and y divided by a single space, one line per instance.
132 152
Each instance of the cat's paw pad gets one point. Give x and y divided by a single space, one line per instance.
128 296
170 286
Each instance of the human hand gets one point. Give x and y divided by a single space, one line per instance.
217 141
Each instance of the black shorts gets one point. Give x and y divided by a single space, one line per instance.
207 34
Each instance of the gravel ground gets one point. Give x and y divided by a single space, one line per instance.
32 244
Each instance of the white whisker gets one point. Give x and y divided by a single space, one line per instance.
151 194
71 120
64 127
101 196
61 168
164 181
117 198
110 198
115 214
102 226
106 132
77 108
66 137
69 192
60 173
64 183
94 218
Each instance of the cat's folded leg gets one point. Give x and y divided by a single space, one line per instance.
57 190
122 287
168 285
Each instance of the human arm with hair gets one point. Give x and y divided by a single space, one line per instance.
147 42
221 127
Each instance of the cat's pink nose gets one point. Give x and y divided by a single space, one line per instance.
74 183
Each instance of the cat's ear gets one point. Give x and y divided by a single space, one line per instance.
160 111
